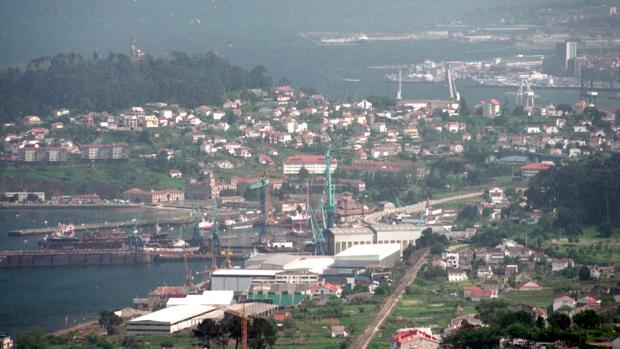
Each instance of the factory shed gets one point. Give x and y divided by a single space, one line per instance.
361 256
238 280
169 320
214 298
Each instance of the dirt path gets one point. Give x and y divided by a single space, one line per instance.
416 260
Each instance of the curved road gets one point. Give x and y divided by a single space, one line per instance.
374 218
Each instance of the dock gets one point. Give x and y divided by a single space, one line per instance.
101 226
21 259
65 258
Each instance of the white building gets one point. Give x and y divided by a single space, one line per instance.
314 164
206 298
169 320
361 256
456 275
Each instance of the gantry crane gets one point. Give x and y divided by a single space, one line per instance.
135 241
264 204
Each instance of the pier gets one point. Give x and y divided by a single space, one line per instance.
20 259
102 226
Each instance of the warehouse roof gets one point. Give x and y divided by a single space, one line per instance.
380 250
244 272
356 230
313 264
174 314
206 298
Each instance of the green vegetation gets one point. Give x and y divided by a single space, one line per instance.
584 192
116 82
108 180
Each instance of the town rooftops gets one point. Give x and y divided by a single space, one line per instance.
170 291
114 145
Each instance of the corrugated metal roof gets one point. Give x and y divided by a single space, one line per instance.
244 272
381 250
174 314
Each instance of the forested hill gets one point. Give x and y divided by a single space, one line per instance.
114 82
584 192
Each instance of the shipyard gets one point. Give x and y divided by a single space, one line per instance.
351 174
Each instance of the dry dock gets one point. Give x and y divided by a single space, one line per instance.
17 259
101 226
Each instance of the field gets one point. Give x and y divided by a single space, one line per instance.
106 179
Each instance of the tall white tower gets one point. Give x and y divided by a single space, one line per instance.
399 90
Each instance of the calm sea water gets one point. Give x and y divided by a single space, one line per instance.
265 32
46 297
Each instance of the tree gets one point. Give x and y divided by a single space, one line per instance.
232 326
492 311
207 330
262 334
559 321
109 321
584 273
463 109
31 339
588 319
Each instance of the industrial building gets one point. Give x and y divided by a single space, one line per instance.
340 239
361 256
214 298
238 280
169 320
291 262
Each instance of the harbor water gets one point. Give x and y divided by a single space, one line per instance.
54 298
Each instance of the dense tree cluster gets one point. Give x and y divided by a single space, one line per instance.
116 82
505 322
585 192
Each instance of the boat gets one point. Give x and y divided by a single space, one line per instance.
65 239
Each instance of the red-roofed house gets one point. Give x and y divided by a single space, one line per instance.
533 168
491 108
160 295
326 289
476 294
530 286
314 164
410 338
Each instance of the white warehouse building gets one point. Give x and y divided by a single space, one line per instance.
361 256
340 239
170 320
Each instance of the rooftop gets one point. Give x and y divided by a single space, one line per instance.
244 272
174 314
380 250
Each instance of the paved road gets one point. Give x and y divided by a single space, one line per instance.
364 339
374 218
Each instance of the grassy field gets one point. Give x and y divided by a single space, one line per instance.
102 178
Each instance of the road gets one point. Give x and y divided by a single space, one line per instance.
374 218
364 339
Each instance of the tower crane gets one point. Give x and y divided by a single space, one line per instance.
245 319
318 239
330 207
264 204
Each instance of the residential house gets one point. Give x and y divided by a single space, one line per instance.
563 303
456 275
414 338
